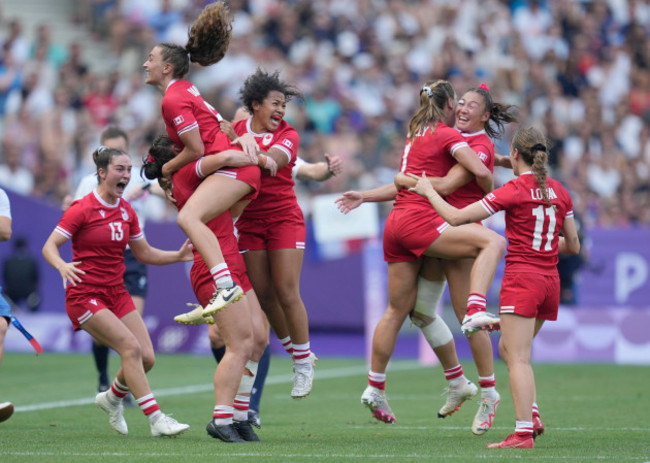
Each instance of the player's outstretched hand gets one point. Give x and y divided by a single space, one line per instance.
348 201
334 164
185 253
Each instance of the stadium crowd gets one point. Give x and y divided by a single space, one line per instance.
580 70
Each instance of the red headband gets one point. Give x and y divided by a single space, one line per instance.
484 86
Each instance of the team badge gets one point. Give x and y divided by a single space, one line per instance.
102 213
490 197
125 215
482 156
178 120
287 143
267 139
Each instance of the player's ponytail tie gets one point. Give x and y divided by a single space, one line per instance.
484 86
537 147
428 91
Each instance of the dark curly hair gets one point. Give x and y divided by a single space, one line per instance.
258 86
207 43
160 152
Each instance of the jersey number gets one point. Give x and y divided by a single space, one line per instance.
116 231
540 213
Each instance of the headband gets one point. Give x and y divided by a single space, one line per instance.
484 86
427 90
150 159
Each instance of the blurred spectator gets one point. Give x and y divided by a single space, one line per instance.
13 175
16 42
579 69
21 277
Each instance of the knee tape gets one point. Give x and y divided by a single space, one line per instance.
426 302
437 333
247 381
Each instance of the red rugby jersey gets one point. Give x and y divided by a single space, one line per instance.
100 232
276 193
532 226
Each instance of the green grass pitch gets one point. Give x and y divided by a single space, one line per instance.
592 413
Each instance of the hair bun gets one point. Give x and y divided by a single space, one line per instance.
538 147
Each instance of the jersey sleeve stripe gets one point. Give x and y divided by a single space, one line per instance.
139 236
569 214
193 126
487 207
284 150
64 232
457 146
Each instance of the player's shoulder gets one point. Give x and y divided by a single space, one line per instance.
241 127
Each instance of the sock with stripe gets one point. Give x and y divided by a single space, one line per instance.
301 353
488 386
524 428
118 391
221 275
455 376
222 414
241 405
476 303
377 380
287 344
149 407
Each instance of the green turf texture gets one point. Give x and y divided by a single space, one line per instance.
592 413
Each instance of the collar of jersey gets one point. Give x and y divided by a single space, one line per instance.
104 203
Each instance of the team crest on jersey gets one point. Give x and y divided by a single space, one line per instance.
102 213
267 138
482 156
125 215
287 143
178 120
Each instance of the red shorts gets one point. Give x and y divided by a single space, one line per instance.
82 301
203 283
280 231
409 232
530 295
251 175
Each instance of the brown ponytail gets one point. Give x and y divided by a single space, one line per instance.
532 146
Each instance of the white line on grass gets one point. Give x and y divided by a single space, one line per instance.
333 373
302 456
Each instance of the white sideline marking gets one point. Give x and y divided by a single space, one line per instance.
328 456
334 373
